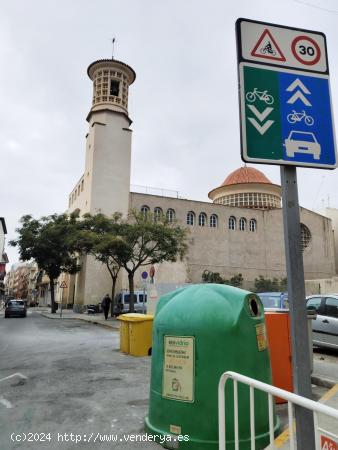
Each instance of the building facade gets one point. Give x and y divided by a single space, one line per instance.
3 256
239 231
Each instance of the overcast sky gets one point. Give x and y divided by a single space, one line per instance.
183 104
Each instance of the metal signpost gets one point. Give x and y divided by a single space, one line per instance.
286 119
144 276
63 286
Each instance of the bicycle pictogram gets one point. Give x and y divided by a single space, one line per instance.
268 49
299 116
261 95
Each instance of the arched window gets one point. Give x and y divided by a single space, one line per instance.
305 236
145 210
202 220
252 225
242 224
232 223
170 215
213 221
158 213
191 218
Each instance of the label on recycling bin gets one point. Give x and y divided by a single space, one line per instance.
262 342
179 368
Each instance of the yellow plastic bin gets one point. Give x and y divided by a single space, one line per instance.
136 334
124 335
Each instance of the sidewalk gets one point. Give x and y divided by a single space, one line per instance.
97 319
325 422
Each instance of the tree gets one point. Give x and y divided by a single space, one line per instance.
148 240
99 236
212 277
267 285
236 280
215 277
49 241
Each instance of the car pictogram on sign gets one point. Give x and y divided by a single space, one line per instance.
302 142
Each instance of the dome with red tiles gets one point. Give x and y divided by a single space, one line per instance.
247 187
245 175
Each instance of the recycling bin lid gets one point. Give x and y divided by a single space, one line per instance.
135 317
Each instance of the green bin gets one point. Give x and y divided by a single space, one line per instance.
200 332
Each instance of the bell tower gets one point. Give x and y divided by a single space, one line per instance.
105 184
108 146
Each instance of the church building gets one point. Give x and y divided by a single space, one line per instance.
239 231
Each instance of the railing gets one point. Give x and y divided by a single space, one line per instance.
272 391
138 189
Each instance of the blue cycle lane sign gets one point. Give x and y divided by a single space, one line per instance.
285 101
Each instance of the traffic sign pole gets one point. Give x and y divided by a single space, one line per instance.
286 119
298 316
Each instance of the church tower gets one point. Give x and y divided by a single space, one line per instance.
105 184
108 146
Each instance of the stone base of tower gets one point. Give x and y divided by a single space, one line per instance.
92 283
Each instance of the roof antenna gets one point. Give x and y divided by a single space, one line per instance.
113 41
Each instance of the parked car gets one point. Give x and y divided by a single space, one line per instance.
15 308
121 304
325 326
277 300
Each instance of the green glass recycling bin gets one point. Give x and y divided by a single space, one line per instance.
200 332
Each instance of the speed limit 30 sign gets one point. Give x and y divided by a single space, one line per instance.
270 44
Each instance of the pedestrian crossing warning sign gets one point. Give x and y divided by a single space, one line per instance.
267 47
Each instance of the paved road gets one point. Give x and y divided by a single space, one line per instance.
76 382
73 379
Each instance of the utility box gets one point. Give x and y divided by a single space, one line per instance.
136 334
200 332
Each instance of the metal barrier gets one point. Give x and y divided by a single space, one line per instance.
272 391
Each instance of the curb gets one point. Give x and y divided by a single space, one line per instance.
325 382
83 320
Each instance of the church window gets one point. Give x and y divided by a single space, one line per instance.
202 220
305 236
114 87
242 224
213 221
158 213
170 215
252 225
232 223
82 184
145 211
191 218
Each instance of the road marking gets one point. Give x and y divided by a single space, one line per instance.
5 402
284 436
261 129
260 115
17 374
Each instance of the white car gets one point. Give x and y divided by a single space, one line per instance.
325 326
302 142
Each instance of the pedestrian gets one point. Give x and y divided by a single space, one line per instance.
106 301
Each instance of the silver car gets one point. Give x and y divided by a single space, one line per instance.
325 326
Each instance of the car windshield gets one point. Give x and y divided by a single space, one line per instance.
16 303
270 300
298 136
